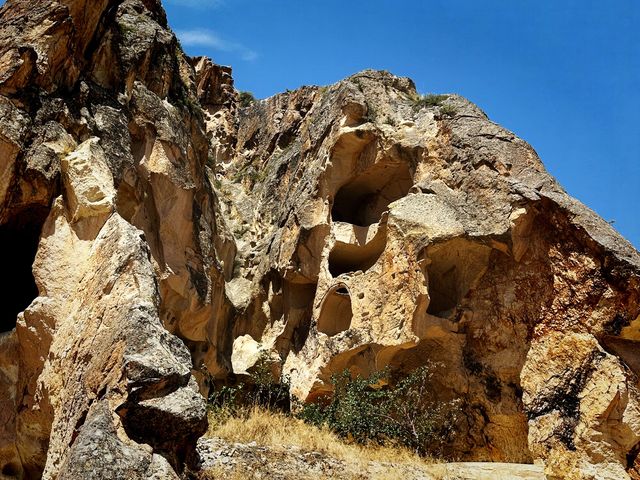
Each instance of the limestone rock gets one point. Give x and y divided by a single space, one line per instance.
163 238
88 180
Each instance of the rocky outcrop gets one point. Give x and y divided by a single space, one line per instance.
162 238
104 183
374 231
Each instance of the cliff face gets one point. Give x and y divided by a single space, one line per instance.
104 183
372 232
161 238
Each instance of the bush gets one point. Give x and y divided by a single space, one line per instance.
266 389
363 410
246 99
448 111
429 100
370 410
261 389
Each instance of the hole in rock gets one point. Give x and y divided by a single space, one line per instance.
335 313
363 200
19 242
297 309
11 470
350 257
455 267
625 349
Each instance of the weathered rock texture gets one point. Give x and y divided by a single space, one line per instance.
160 238
372 233
104 158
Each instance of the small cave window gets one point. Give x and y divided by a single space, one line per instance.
19 241
364 199
347 258
11 470
443 291
336 312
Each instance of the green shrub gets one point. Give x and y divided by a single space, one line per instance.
364 410
429 100
246 99
260 389
448 111
265 389
370 410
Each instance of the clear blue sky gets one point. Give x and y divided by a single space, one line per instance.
562 74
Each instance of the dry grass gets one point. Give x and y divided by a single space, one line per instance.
242 473
275 430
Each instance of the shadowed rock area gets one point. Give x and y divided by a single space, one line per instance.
161 239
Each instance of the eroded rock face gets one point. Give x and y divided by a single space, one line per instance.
374 233
163 239
104 177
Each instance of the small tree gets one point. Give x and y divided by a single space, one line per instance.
415 416
267 387
260 389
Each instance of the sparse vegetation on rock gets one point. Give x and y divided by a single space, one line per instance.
246 99
426 101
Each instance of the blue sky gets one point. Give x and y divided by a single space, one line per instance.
562 74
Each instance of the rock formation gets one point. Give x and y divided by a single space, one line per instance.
160 238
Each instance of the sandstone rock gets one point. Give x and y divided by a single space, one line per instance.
89 183
381 234
11 463
91 366
98 453
179 238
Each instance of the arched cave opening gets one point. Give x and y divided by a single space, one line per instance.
19 241
347 257
455 268
336 312
364 199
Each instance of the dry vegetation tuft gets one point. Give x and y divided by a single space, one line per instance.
276 430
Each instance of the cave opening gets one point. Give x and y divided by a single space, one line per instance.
454 269
19 239
11 470
336 312
353 257
364 199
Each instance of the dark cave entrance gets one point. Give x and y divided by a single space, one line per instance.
363 200
19 239
456 265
